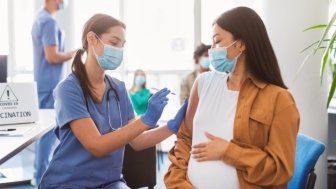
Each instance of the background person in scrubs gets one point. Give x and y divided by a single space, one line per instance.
139 93
202 64
95 117
49 58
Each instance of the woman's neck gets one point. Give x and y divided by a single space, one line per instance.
237 77
136 88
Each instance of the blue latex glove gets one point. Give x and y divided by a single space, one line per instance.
156 104
174 124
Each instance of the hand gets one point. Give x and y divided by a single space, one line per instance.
156 104
174 124
212 150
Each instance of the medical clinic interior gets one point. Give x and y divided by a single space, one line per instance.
176 94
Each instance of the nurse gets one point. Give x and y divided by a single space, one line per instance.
94 115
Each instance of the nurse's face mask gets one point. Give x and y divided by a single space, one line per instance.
111 57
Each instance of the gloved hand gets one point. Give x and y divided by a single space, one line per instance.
174 124
156 104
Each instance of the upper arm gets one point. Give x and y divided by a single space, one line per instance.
86 132
50 40
192 105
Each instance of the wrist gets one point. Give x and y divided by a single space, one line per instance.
147 121
171 127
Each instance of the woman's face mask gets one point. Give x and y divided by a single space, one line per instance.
111 57
204 62
139 80
219 60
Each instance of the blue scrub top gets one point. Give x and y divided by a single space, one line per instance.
46 32
72 165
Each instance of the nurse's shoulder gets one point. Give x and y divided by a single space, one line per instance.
69 86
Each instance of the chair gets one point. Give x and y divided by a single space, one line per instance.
139 167
308 150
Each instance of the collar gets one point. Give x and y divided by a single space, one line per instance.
258 83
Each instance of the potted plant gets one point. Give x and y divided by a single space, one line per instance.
327 43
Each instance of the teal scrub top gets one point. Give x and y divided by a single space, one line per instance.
140 100
72 166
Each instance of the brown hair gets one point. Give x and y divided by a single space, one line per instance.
99 24
200 49
245 24
138 71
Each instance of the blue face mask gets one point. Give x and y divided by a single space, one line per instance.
139 80
111 57
62 5
204 62
219 60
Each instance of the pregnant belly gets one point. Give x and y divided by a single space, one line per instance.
212 174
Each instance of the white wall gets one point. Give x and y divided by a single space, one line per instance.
285 21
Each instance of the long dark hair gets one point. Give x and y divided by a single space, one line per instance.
99 24
245 24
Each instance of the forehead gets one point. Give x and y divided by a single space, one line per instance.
217 31
115 32
139 73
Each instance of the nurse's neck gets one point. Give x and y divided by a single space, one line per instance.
50 8
95 73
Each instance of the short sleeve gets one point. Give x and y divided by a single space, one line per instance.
69 103
49 33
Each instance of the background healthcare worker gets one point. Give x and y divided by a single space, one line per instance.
49 61
94 115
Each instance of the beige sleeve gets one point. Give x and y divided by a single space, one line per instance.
179 155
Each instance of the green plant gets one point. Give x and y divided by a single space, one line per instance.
327 43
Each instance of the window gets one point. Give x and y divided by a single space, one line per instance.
3 24
83 10
160 34
22 13
212 9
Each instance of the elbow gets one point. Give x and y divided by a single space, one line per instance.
96 152
136 147
51 60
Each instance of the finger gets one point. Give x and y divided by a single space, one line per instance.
210 136
198 151
202 159
200 145
164 94
157 94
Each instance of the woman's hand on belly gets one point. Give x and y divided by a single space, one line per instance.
212 150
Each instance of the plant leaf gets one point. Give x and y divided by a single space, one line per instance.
320 26
324 61
325 33
331 91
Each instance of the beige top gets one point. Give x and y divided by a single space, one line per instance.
186 85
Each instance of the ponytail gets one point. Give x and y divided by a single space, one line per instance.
78 69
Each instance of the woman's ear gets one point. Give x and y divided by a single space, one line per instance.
241 45
91 38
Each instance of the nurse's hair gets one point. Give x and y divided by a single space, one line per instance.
246 25
99 24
